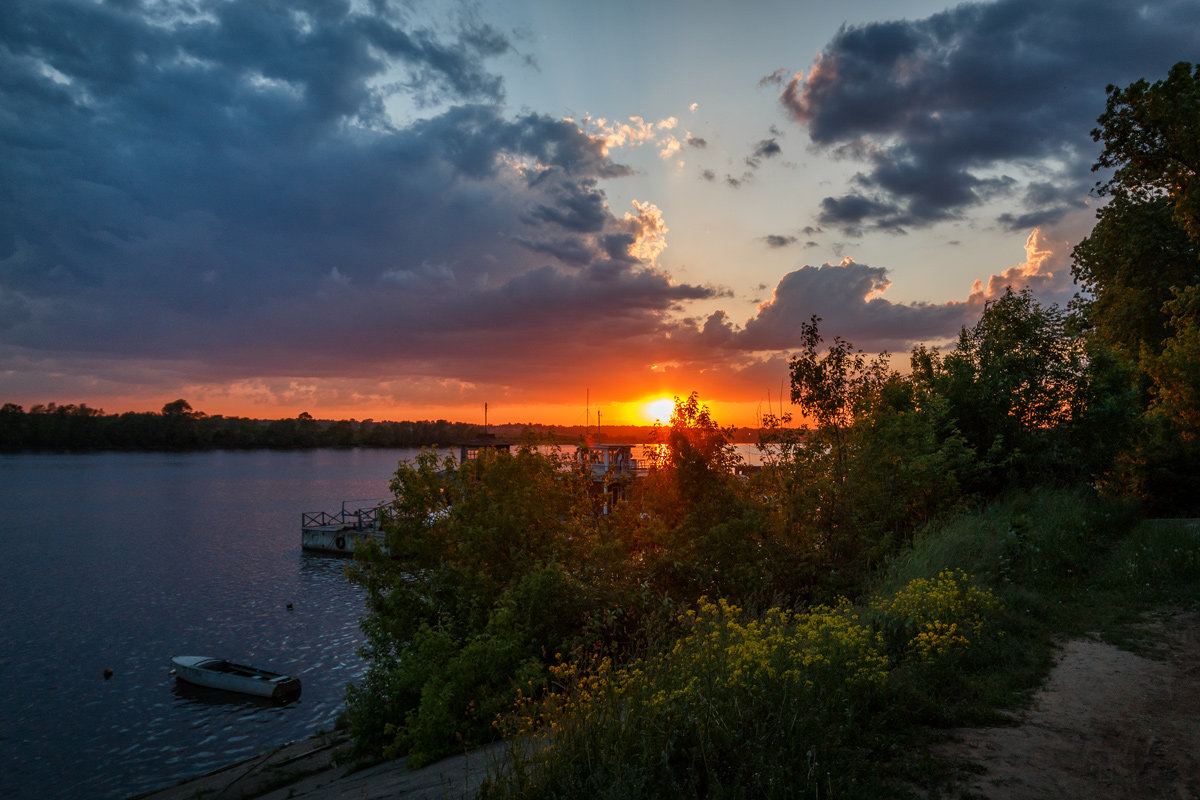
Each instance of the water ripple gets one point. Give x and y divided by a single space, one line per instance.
121 561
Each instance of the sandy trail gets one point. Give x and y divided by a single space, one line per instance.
1106 724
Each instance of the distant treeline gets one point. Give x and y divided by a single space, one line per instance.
70 427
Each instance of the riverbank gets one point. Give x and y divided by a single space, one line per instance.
315 769
1107 723
1099 618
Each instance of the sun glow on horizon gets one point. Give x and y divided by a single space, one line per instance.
659 409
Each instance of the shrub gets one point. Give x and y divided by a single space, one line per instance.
939 622
696 719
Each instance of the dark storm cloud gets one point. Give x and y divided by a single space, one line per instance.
851 211
573 209
698 142
937 107
776 241
848 298
221 183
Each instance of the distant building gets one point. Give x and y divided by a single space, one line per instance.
613 470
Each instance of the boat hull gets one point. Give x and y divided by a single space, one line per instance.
216 673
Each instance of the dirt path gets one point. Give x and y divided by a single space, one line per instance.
1107 724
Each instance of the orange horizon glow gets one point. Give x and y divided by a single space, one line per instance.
642 412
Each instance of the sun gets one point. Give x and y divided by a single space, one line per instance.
659 409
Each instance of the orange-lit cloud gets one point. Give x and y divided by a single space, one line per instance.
1046 270
650 232
633 133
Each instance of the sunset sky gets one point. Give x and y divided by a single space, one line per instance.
396 210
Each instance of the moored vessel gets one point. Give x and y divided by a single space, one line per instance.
217 673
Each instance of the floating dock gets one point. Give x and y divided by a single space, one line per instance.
339 532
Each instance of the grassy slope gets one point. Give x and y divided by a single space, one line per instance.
734 724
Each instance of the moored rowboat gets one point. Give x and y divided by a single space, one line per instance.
217 673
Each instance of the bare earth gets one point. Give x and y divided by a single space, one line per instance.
1107 724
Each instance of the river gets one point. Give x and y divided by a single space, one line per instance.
119 561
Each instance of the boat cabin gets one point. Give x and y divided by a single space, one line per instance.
608 460
613 468
486 442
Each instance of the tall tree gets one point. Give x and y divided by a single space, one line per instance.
482 584
1013 385
875 462
1174 368
1149 133
1141 268
1126 268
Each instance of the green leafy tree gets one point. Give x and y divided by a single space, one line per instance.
1140 269
698 453
459 608
833 390
1166 468
1176 367
1013 386
1126 268
690 528
875 464
1150 140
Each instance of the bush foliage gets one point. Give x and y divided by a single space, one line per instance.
901 562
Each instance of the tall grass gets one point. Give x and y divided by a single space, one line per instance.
783 705
837 701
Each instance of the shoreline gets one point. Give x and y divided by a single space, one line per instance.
310 769
1106 721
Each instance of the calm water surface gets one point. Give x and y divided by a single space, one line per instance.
121 561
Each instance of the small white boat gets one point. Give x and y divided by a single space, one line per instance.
217 673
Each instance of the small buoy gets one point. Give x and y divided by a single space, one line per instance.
289 606
108 673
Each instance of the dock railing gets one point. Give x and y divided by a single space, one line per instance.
361 519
